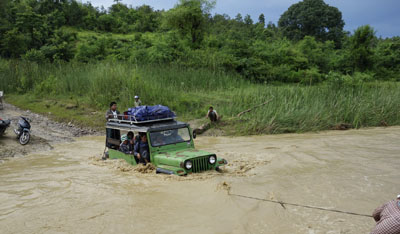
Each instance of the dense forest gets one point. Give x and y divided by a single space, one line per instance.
318 75
307 45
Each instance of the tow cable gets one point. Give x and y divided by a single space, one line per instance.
299 205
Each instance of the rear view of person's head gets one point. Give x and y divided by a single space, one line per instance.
211 108
130 135
113 106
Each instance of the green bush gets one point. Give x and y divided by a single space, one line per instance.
34 55
46 87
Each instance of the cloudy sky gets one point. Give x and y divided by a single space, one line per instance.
381 14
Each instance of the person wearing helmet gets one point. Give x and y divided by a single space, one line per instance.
212 114
124 146
137 101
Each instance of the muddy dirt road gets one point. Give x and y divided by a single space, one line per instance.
45 133
69 190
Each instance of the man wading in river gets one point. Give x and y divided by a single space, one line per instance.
387 218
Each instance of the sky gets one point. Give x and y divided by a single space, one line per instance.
382 15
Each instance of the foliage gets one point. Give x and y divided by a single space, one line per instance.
361 48
387 59
312 18
188 18
357 102
308 45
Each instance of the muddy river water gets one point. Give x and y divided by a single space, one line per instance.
69 190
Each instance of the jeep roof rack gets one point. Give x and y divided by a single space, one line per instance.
144 126
121 119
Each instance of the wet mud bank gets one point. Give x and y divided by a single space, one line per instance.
45 133
70 190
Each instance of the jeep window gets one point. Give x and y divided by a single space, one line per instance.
168 137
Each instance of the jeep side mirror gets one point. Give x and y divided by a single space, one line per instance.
194 134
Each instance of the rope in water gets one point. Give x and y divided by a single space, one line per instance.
293 204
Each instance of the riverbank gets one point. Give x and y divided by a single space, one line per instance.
287 109
45 132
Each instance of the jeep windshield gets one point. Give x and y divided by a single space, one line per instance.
167 137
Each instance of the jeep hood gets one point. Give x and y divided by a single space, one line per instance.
175 157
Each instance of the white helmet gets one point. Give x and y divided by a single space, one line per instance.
136 97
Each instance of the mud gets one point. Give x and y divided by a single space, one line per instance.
45 133
70 190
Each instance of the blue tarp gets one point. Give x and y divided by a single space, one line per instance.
143 113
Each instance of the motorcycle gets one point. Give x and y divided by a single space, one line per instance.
4 124
23 131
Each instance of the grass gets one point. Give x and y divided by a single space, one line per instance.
62 109
293 108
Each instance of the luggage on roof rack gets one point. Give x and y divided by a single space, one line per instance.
146 113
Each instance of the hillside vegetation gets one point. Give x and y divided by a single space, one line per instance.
60 53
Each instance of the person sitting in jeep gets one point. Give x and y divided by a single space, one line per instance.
141 150
131 139
124 146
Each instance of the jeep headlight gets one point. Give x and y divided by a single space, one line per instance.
212 159
188 165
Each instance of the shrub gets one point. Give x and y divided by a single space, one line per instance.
34 55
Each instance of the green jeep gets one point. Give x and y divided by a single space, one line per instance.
171 145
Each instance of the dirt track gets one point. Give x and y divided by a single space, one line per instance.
45 133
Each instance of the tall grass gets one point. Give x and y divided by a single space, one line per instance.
189 92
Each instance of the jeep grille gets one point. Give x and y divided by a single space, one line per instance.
200 164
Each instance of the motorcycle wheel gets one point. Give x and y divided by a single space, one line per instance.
24 138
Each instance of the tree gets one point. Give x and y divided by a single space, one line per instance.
189 18
239 18
13 43
312 18
261 19
147 20
387 58
248 20
361 48
34 27
74 13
